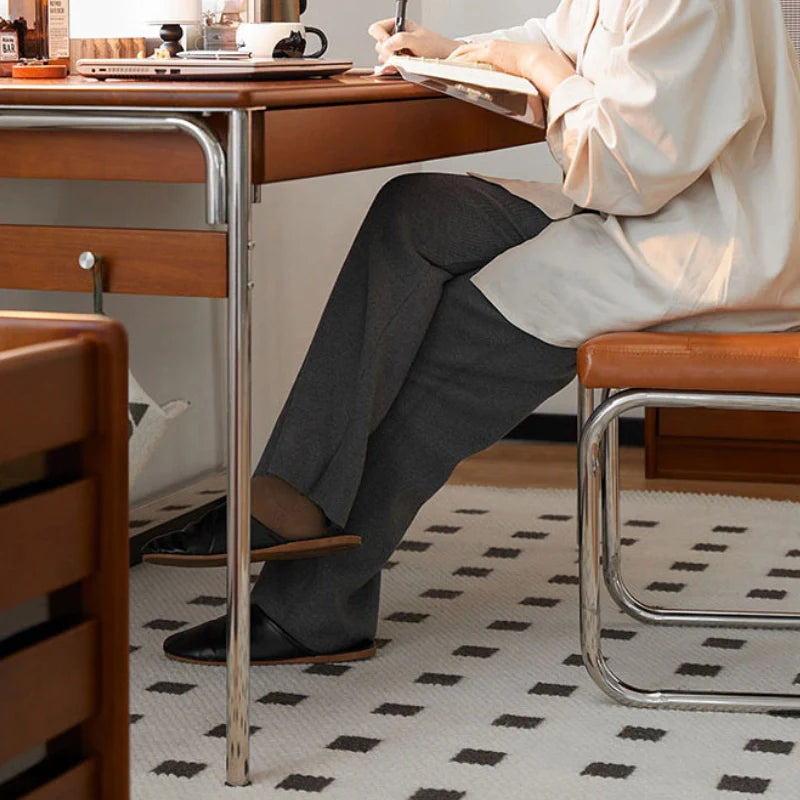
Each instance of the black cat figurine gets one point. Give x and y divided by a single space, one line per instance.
293 46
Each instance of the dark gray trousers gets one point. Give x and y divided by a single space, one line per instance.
410 371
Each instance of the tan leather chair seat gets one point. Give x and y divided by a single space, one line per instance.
737 362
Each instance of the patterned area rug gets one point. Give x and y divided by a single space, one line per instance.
478 690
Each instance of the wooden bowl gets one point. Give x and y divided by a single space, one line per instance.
39 71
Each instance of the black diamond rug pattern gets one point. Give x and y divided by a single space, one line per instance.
477 690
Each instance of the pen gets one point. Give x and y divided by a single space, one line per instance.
400 16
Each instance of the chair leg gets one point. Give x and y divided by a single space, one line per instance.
591 521
586 405
611 554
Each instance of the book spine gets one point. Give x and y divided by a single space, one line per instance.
58 28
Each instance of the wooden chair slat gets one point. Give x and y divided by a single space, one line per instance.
78 783
46 400
49 687
57 548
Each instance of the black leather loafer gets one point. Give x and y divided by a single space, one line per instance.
269 644
204 543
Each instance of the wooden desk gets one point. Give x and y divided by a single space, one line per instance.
302 129
241 135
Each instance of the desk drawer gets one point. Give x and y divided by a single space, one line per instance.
151 262
709 444
706 423
306 142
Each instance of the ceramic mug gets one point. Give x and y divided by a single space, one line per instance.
278 39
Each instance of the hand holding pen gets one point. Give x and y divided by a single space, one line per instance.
400 35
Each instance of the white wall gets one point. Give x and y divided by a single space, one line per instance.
99 19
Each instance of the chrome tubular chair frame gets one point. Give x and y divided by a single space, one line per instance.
598 526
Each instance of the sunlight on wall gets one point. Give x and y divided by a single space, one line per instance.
106 18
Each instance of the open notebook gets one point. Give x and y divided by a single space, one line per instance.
480 84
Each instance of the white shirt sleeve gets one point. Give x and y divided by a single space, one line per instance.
533 32
658 113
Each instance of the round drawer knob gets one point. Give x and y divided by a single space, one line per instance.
87 260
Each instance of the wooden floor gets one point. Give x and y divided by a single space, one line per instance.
514 464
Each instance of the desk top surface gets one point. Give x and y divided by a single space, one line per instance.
188 95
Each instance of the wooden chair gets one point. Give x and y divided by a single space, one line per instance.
722 371
63 557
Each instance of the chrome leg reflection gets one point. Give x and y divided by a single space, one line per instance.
239 355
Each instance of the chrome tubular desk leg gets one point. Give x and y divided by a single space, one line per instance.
239 195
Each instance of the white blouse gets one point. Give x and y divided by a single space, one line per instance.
682 128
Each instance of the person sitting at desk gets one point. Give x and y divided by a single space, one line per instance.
462 301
